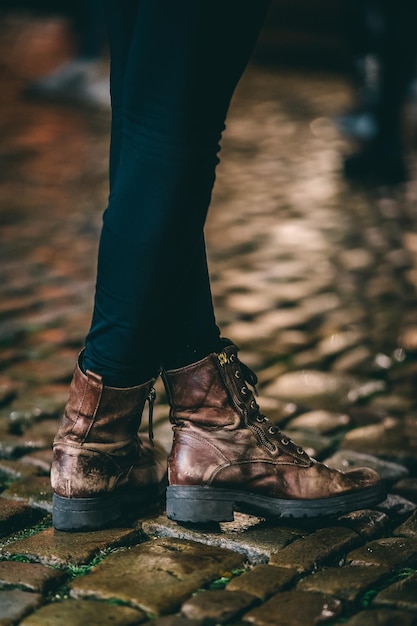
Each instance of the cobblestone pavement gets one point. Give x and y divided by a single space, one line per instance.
315 281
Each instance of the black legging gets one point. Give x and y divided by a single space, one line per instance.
174 67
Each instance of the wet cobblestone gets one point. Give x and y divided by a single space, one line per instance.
157 576
294 609
321 547
74 613
72 549
315 281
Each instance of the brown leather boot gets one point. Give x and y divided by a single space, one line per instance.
227 456
99 463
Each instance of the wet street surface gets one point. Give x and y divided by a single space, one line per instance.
316 282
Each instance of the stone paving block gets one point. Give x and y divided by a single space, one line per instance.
325 302
16 469
11 445
36 491
249 535
391 404
404 371
362 415
353 361
173 620
84 613
19 305
319 421
52 547
392 552
8 389
56 368
344 583
246 303
339 342
389 439
367 523
8 356
407 488
294 608
281 318
41 459
29 407
408 528
396 506
45 340
307 360
407 339
41 433
314 389
382 617
16 604
349 459
402 594
263 580
218 607
158 575
16 515
318 548
30 576
37 437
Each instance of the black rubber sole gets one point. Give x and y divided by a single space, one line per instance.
202 505
87 514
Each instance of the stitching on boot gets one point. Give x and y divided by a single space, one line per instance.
206 444
89 386
73 429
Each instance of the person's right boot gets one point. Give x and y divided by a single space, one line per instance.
227 456
101 468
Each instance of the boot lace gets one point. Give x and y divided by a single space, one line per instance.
245 378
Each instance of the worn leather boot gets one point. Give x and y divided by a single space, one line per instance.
100 465
227 456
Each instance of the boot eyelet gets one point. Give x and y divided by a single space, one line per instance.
232 358
260 419
272 430
237 374
300 450
244 391
285 441
253 405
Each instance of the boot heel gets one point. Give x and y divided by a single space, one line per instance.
82 514
199 505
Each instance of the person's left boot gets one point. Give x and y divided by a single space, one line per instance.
226 456
101 468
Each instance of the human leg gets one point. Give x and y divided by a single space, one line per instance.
169 103
183 63
222 443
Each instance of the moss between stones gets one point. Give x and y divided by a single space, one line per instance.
369 595
45 523
74 571
82 570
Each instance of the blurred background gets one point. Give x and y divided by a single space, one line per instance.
312 234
